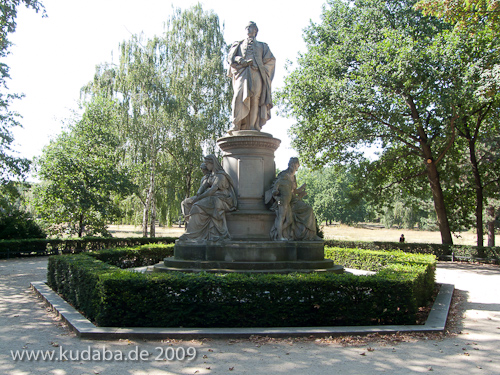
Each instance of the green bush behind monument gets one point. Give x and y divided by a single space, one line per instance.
54 246
110 296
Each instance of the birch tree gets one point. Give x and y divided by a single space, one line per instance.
176 100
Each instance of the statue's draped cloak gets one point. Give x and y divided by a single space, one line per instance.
207 218
264 64
298 221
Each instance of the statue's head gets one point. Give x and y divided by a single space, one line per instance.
212 163
252 29
204 168
293 164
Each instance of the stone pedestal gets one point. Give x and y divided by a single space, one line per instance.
249 160
249 257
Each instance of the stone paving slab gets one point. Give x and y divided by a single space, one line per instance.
436 322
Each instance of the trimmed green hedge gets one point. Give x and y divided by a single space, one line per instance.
440 250
421 268
138 256
110 296
38 247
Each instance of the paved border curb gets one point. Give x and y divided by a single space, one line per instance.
436 322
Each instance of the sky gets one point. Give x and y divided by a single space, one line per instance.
53 57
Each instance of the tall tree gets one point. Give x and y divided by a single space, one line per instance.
15 222
80 175
482 159
489 156
475 45
176 102
378 72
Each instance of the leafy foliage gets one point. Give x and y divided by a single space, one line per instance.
16 221
138 256
81 179
471 15
332 194
476 21
175 100
381 73
442 251
54 246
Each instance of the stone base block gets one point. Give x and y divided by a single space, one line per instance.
249 256
250 251
248 267
250 224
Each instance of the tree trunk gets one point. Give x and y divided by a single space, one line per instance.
439 206
80 226
145 215
152 230
147 205
188 185
491 225
432 175
479 193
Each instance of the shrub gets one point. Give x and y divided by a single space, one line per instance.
77 278
139 256
18 224
16 248
420 268
114 297
242 300
439 250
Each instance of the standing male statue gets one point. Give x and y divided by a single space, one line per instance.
252 70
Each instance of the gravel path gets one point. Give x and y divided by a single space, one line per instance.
26 327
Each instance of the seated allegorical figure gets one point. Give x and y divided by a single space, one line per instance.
206 219
295 219
187 203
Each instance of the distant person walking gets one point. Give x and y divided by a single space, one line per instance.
402 238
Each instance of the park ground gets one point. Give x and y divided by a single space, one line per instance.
361 232
469 346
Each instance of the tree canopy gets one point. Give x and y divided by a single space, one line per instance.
471 15
81 178
381 73
332 194
175 100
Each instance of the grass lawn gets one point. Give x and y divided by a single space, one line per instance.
362 232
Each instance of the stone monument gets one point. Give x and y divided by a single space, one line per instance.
244 218
295 220
251 67
205 213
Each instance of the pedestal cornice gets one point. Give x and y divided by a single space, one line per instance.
248 139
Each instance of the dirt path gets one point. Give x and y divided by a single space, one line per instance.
26 325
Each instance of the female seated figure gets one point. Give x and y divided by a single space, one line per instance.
187 203
206 220
295 219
